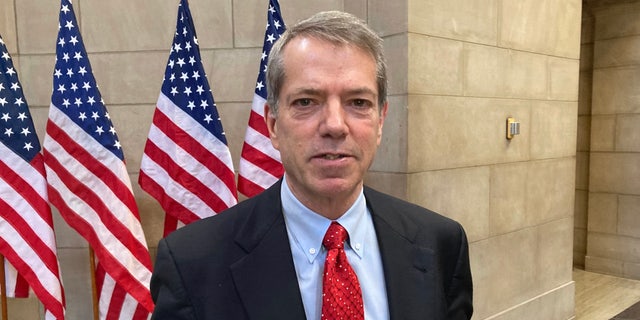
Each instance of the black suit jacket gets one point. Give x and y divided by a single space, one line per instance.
238 264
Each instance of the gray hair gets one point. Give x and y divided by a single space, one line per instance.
336 27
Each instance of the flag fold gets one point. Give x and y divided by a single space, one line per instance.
27 239
260 164
186 164
88 180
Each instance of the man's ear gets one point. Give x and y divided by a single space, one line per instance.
270 119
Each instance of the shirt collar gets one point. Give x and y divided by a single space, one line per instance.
308 227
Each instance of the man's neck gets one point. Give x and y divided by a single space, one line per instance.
331 208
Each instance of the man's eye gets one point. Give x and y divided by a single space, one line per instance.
361 103
302 102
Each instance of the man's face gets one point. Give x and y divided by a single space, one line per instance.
328 124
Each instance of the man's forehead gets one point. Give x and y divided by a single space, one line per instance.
304 41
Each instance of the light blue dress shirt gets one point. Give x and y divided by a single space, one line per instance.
306 230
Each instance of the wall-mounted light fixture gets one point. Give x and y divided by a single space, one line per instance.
513 128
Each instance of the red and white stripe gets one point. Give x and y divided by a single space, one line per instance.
260 164
27 237
185 167
115 302
90 187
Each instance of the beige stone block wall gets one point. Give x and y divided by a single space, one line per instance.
613 232
442 190
516 199
610 99
457 70
529 272
545 26
467 20
456 131
8 26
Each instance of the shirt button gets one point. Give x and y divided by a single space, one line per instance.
312 251
358 246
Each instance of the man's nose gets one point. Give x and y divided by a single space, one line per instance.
334 119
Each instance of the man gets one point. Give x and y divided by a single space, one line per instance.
265 257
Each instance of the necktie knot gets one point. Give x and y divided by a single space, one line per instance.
335 236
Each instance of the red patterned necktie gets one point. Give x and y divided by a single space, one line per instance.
341 294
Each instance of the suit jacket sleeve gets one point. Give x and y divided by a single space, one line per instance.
460 295
167 289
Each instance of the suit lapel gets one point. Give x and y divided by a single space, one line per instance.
265 278
408 267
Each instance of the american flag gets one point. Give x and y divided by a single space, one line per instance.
27 238
88 179
260 164
186 164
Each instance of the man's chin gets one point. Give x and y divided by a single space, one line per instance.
336 187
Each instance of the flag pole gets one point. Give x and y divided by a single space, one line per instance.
3 289
94 286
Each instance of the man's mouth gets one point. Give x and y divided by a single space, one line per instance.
332 156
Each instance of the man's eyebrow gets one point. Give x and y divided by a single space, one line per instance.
305 90
362 90
313 91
